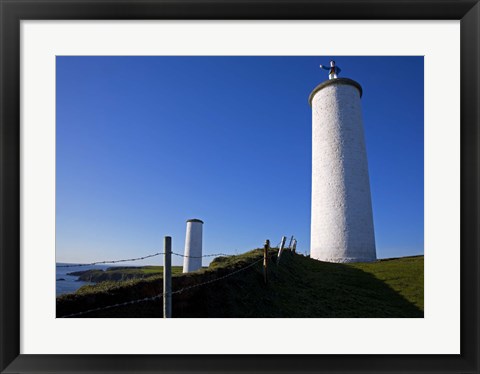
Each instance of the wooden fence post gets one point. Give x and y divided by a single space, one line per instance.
290 244
294 248
167 278
282 244
265 260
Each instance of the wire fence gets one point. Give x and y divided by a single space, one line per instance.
212 255
159 296
218 279
111 261
267 256
141 258
152 298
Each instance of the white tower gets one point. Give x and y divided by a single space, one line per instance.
193 246
342 219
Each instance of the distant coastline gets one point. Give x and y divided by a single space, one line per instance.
70 277
116 273
65 283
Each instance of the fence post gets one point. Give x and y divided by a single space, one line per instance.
167 278
290 244
265 259
294 248
282 244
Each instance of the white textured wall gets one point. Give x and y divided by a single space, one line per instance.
193 247
342 220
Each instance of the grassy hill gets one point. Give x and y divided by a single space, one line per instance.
121 273
297 287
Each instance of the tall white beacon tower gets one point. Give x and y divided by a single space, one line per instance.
342 218
193 246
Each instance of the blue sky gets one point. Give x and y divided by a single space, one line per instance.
145 143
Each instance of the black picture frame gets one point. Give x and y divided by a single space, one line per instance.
13 11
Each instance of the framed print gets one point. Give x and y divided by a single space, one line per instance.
145 139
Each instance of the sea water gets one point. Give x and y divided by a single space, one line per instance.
71 283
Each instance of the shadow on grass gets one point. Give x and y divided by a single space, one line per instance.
300 288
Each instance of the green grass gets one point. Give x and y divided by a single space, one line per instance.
125 273
313 288
403 275
297 287
111 286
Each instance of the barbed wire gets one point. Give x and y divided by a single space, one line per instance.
217 279
142 258
150 256
152 298
211 255
112 261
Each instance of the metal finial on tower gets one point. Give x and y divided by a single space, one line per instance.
333 70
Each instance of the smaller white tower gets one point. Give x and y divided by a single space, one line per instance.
193 246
